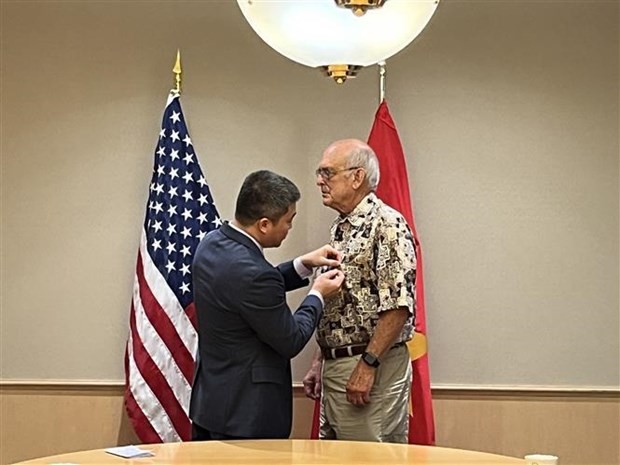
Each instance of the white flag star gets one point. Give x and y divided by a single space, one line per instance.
187 177
187 140
217 222
161 152
160 170
172 210
185 269
185 287
174 173
202 217
187 196
175 136
158 207
157 226
175 117
186 232
202 181
170 266
187 214
201 234
171 229
162 133
174 154
185 251
202 199
188 158
171 247
156 244
172 192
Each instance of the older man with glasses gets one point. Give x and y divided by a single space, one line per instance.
362 370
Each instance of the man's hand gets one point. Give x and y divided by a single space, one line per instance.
325 256
360 383
312 381
329 282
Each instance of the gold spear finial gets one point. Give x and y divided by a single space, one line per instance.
177 71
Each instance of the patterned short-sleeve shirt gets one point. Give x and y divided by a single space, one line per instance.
379 265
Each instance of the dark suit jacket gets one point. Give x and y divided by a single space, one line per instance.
247 336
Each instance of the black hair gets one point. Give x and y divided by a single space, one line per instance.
265 194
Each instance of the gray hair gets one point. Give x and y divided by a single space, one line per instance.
362 156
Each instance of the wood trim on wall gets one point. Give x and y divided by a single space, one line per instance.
439 389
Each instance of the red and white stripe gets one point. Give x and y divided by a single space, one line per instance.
160 357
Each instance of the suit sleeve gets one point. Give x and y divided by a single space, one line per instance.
265 309
292 280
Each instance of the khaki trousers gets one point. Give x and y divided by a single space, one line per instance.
385 418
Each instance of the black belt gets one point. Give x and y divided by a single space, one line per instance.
348 351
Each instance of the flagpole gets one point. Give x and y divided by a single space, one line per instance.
177 71
157 369
382 72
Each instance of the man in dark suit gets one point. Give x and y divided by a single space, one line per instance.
246 332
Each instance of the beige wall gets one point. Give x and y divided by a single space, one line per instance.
508 112
583 429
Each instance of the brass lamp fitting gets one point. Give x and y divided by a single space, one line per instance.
340 73
359 7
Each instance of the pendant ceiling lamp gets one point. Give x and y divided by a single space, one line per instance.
325 34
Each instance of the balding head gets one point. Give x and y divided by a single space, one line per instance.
355 153
348 171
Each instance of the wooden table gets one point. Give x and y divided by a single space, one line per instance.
289 452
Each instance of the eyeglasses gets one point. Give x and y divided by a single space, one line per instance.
328 173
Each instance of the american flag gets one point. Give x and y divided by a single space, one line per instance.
162 342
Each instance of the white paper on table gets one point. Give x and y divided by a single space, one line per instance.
129 452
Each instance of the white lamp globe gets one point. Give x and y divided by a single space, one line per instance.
319 33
